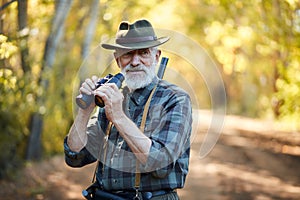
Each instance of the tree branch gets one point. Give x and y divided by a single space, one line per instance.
6 4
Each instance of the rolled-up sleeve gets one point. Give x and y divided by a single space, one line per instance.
91 151
77 159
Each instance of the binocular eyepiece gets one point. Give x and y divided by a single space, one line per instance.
83 100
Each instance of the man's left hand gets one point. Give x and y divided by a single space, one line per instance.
113 100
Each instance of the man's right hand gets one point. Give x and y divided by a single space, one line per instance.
89 85
87 88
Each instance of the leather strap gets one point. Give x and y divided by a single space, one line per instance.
142 128
146 109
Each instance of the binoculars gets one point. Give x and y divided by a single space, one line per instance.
83 100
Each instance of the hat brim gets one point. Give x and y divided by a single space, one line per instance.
137 45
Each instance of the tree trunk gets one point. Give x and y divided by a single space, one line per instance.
23 33
278 58
90 30
34 150
62 8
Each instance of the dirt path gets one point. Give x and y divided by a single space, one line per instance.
250 161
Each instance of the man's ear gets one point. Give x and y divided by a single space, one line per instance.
116 58
157 56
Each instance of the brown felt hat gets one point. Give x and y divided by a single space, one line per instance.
139 35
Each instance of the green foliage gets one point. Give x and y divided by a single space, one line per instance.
11 135
6 48
12 125
289 92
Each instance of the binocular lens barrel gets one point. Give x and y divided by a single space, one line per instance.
83 100
117 79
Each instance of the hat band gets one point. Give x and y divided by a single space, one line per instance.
135 39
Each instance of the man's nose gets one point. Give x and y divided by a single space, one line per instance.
135 60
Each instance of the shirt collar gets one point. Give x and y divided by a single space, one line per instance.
140 96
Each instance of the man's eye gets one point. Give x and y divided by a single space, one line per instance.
128 54
145 53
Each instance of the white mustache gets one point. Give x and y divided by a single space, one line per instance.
132 69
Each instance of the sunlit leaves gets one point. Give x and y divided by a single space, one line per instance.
6 48
214 32
293 3
226 40
245 33
289 92
296 21
7 79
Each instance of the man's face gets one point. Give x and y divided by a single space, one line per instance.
138 67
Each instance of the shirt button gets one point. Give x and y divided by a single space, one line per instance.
115 180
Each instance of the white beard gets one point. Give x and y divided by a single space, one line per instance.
136 81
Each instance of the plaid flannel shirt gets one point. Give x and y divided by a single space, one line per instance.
168 125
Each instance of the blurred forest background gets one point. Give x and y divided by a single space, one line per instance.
254 43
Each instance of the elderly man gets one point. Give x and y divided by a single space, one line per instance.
141 137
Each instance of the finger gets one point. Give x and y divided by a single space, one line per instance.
115 91
95 79
104 96
84 90
108 90
90 83
103 91
85 87
108 94
113 86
